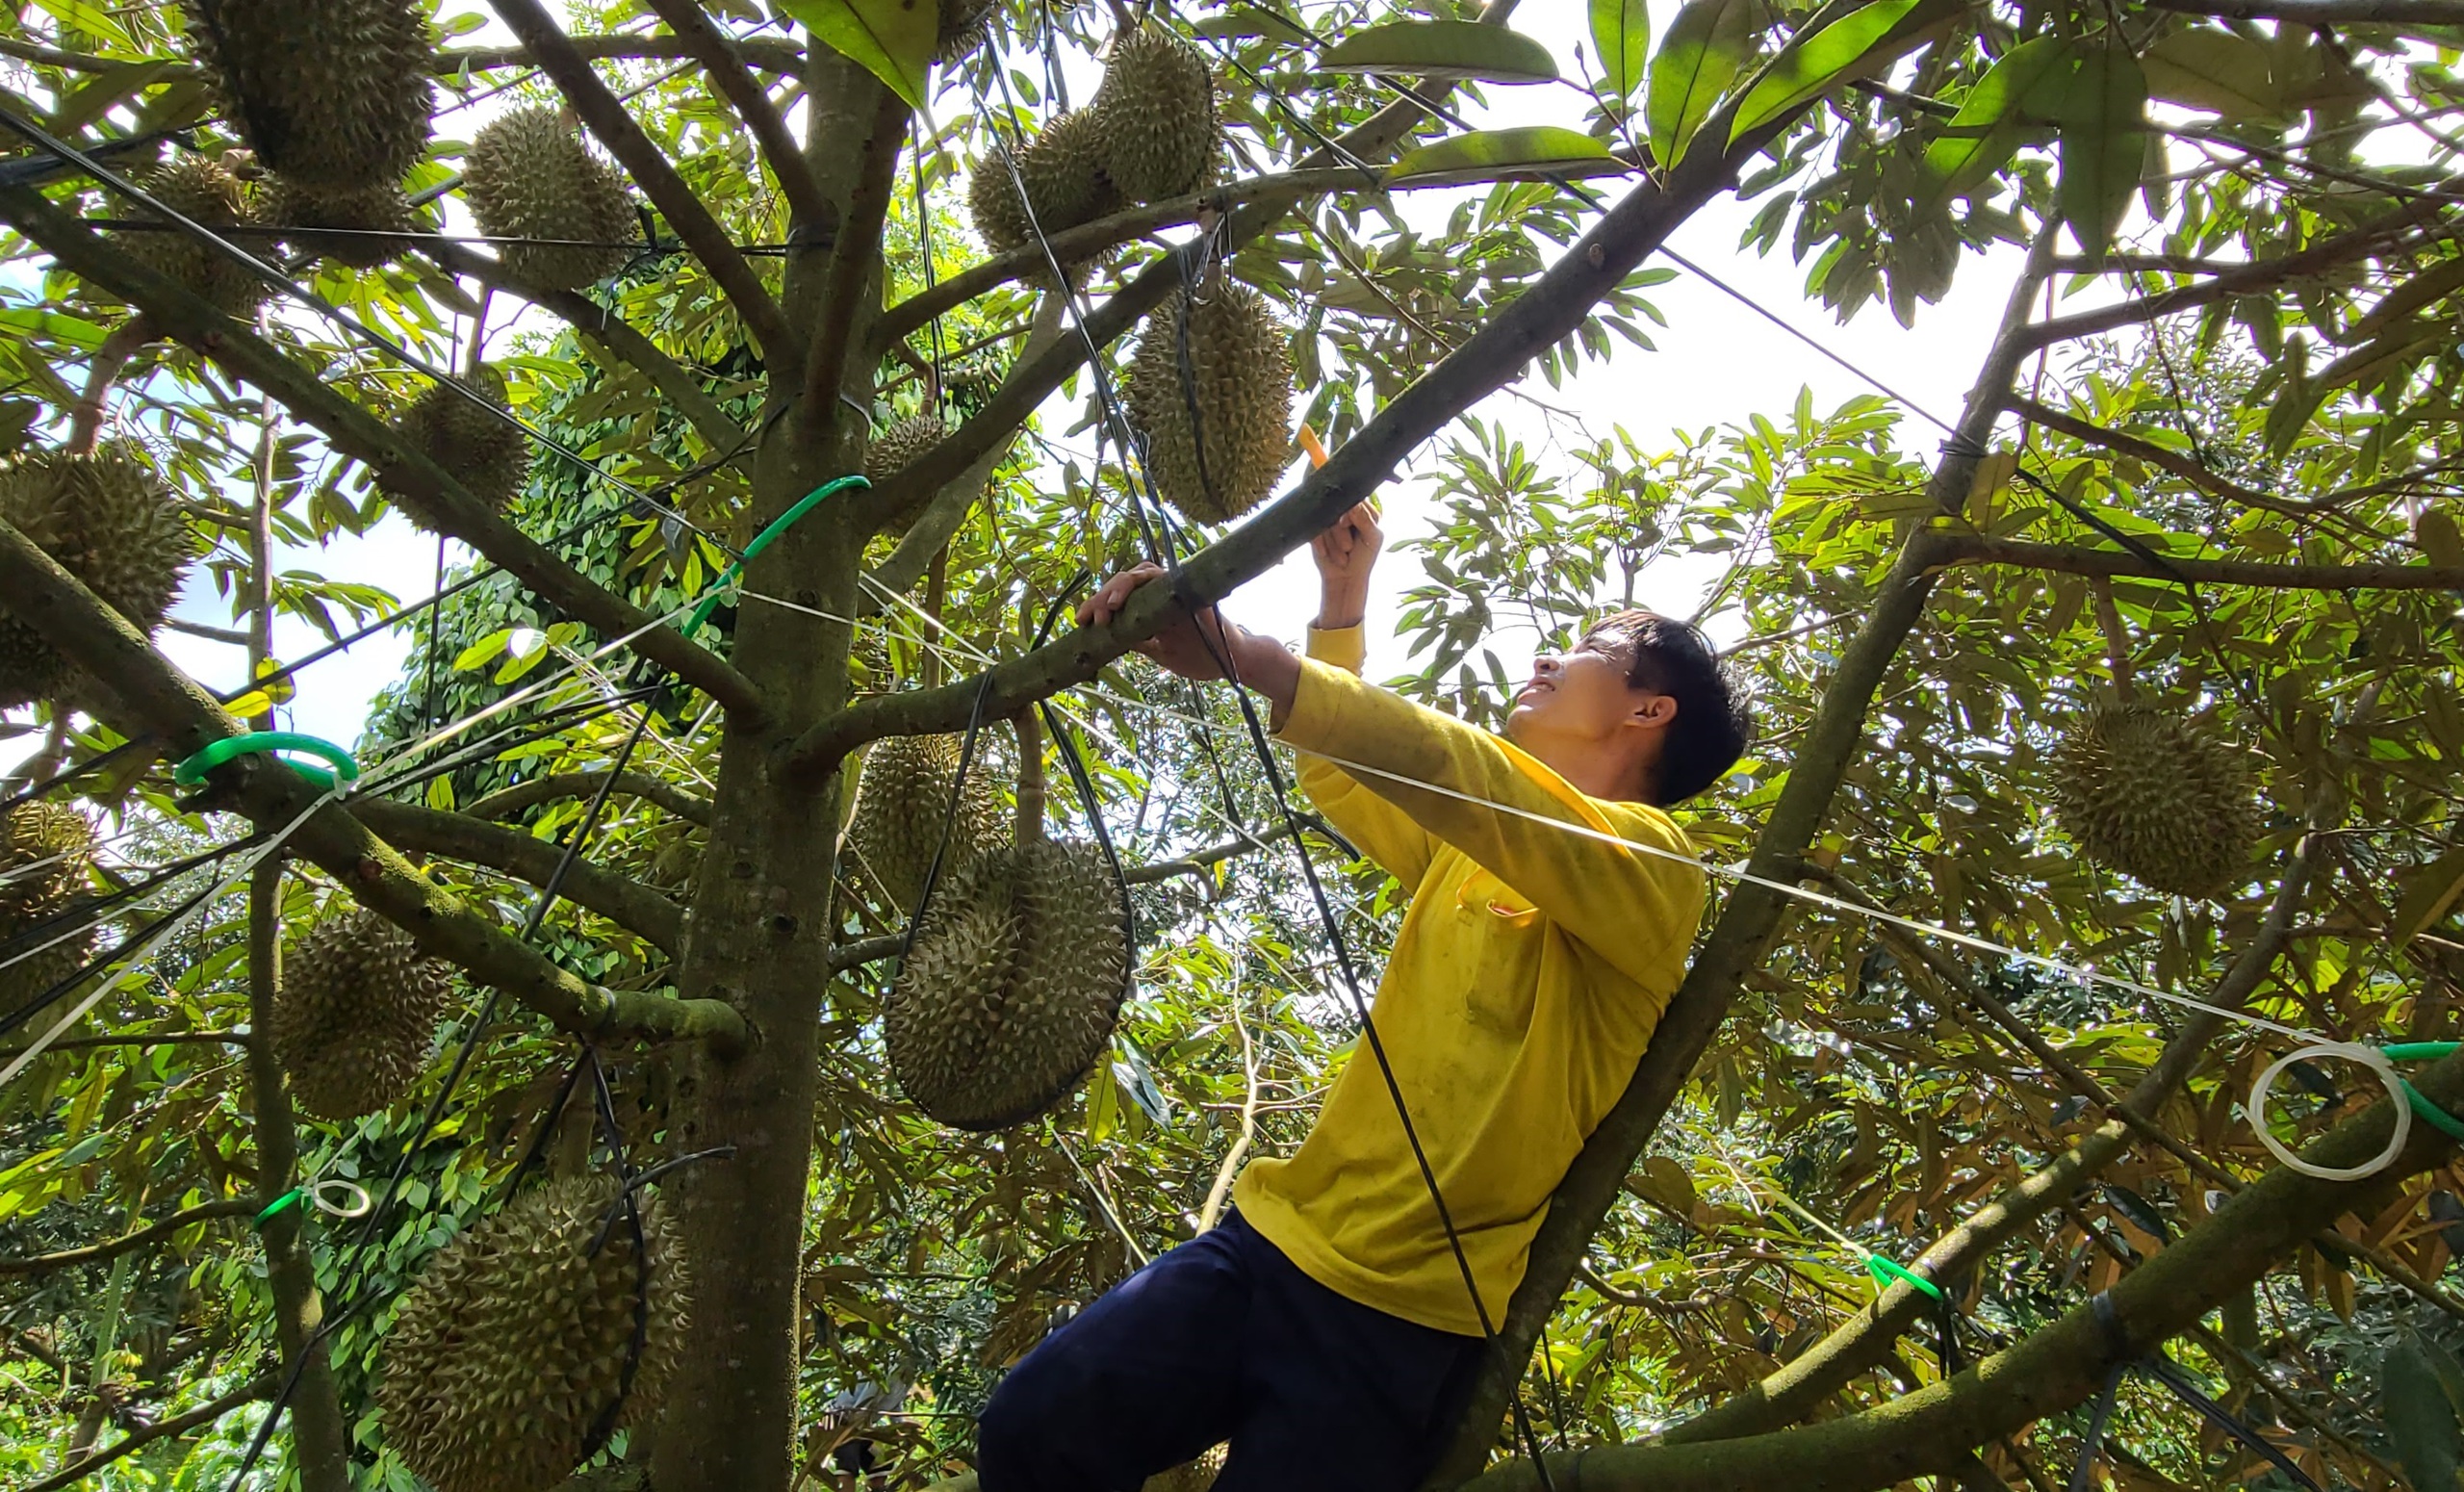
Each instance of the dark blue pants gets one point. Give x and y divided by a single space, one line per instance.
1226 1338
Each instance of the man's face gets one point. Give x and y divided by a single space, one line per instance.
1579 696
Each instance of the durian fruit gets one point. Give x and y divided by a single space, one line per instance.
899 446
355 1015
902 801
510 1348
205 191
1063 174
332 94
45 850
1240 361
528 175
2161 797
379 208
488 455
1012 986
965 24
109 522
1155 113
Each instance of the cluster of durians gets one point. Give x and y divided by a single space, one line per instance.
1015 977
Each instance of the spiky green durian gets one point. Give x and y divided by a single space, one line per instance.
510 1353
1239 359
45 851
355 1015
332 94
965 24
897 446
488 454
1155 115
109 522
903 799
2159 796
1011 987
529 176
369 220
205 191
1063 172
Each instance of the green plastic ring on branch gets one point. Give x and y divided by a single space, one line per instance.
761 541
1886 1270
191 772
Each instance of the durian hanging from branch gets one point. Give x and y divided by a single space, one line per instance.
1061 171
529 176
902 801
1209 388
207 192
332 94
517 1346
2162 796
109 522
1014 978
1155 115
355 1015
485 452
45 851
362 226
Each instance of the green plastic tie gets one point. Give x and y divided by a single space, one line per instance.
761 541
191 771
2420 1051
273 1209
1886 1270
2431 1114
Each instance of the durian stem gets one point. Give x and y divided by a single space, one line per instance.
319 1444
2117 639
1030 788
102 370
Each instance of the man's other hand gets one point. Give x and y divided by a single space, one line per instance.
1346 554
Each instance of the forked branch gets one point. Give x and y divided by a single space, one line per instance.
722 59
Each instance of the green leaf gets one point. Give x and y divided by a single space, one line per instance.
1700 57
2210 69
1251 21
892 40
1442 49
2417 1384
1982 135
1811 68
1621 32
2103 119
2430 891
1491 153
481 651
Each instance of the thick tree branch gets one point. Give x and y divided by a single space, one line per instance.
1090 239
150 695
856 259
114 1247
2056 1369
1552 308
600 109
262 1386
506 802
722 59
2324 12
422 486
612 336
2260 274
1965 548
424 831
2155 455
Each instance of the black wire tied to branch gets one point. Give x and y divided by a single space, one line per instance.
2118 1346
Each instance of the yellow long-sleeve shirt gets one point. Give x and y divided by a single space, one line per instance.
1531 968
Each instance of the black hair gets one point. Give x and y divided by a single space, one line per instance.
1713 724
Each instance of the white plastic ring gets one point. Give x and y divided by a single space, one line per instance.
2369 1057
354 1202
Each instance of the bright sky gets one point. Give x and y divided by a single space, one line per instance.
1716 363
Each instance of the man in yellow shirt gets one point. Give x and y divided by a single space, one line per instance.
1327 1330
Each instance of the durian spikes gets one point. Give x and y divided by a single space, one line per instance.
899 446
1012 986
370 219
903 799
1155 115
111 523
1063 174
356 1014
511 1348
487 455
333 95
45 851
205 191
2165 799
529 176
1239 363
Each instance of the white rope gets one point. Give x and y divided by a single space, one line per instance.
130 958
